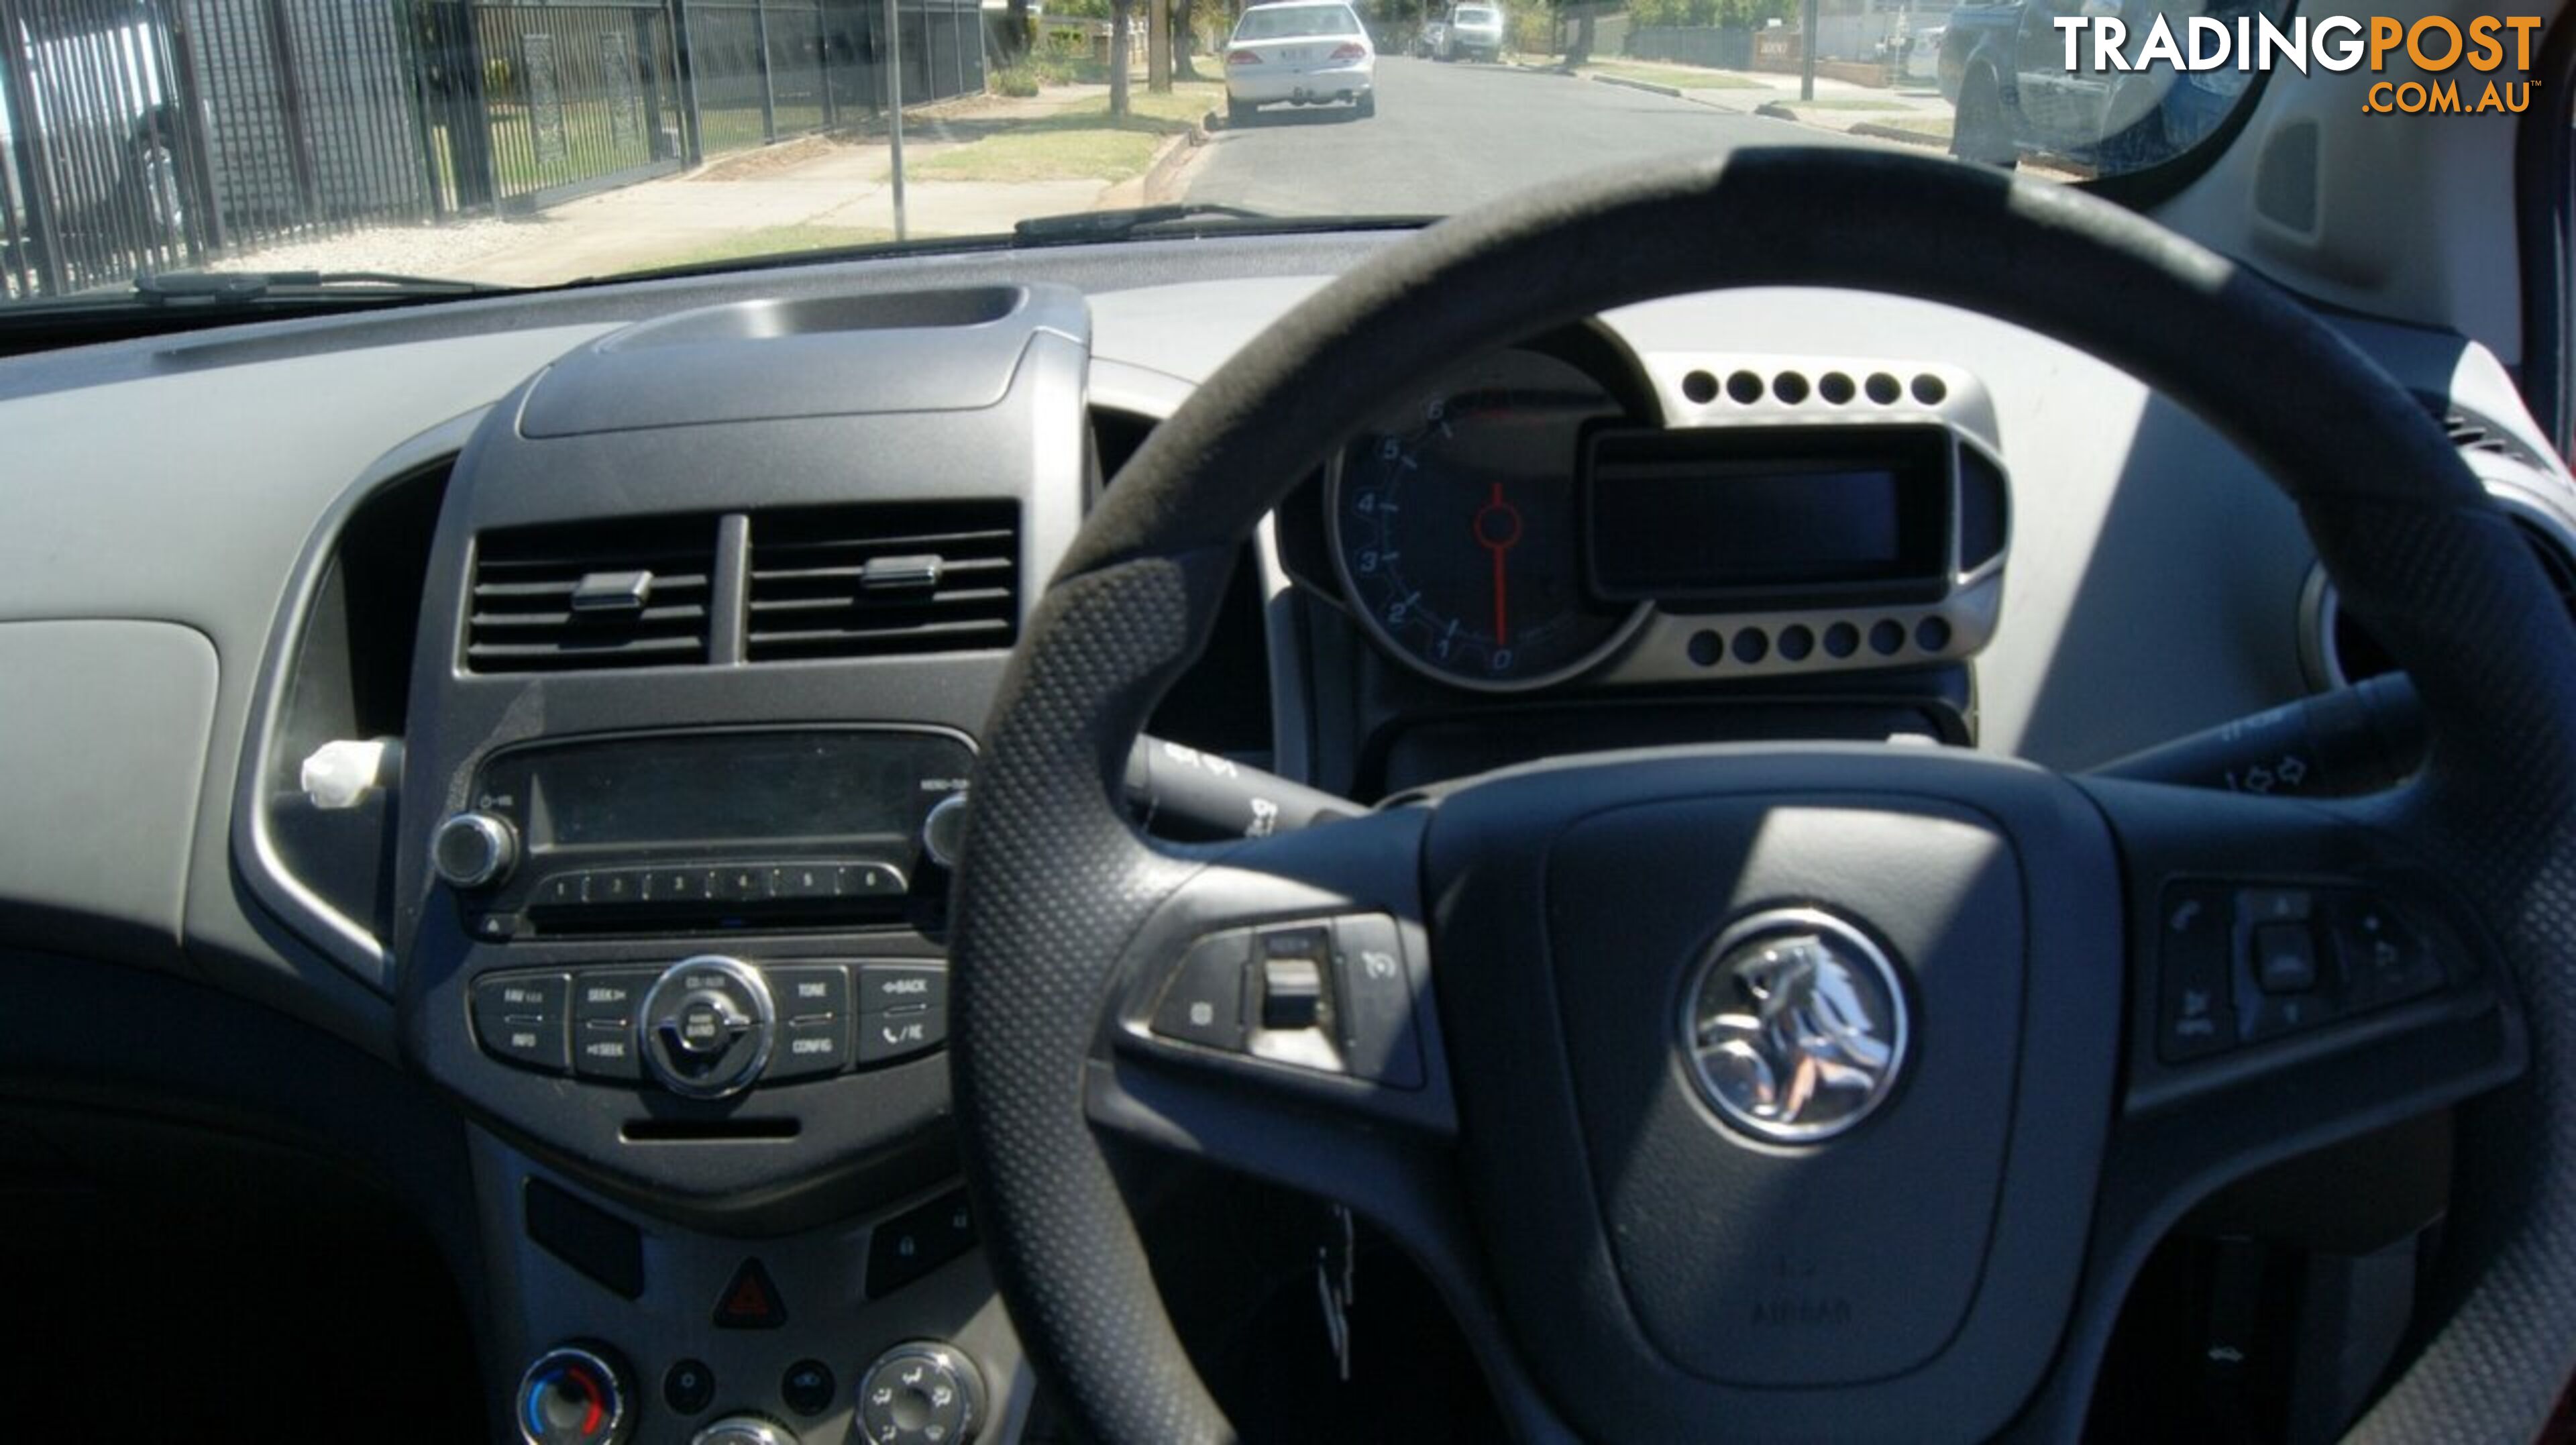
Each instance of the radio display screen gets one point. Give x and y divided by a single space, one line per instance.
783 788
1694 514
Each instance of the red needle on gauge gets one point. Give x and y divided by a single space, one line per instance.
1498 526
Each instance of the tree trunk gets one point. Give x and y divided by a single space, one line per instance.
1184 40
1119 11
1582 39
1015 32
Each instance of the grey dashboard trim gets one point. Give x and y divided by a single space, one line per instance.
341 939
103 755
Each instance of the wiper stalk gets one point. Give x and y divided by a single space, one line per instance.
1117 225
233 288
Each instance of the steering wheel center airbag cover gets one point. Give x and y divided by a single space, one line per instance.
1647 1235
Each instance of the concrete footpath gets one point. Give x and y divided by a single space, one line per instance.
1912 111
814 191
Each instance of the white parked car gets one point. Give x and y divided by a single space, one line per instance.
1305 52
1473 32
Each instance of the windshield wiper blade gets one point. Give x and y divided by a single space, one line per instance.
1117 225
234 288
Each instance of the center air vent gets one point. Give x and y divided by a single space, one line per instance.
593 595
869 581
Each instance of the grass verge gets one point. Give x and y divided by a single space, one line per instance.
1080 142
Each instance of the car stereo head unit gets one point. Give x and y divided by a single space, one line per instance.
674 832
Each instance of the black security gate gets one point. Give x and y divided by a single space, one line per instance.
576 98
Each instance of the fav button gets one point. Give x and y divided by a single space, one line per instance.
522 1017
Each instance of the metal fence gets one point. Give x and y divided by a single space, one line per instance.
141 135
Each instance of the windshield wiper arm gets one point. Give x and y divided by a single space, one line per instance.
232 288
1115 225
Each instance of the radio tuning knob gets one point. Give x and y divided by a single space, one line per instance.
943 830
471 850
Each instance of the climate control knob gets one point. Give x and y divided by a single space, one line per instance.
575 1395
707 1026
471 850
922 1393
744 1430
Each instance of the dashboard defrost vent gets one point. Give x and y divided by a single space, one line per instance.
592 595
878 580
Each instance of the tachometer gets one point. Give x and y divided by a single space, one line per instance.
1454 527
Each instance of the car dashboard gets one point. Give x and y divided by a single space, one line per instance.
558 712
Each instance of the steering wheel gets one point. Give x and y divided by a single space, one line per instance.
1527 1072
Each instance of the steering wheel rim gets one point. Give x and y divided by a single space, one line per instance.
1056 887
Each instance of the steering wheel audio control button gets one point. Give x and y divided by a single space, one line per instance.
1378 1032
2195 1009
1203 1001
574 1395
923 1393
707 1026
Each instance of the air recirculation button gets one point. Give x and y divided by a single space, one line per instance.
708 1026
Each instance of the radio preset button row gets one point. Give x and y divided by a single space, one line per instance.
681 886
712 1026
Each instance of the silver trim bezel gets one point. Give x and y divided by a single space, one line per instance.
764 1018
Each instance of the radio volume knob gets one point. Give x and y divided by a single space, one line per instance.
471 850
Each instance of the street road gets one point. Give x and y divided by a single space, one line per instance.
1448 136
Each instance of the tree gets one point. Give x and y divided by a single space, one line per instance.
1184 40
1119 10
1015 32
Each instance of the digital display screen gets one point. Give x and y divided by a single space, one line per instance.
773 788
1699 514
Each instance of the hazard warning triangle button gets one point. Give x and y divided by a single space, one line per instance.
750 1302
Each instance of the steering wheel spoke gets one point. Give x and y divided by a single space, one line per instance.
1274 1015
2299 976
2267 935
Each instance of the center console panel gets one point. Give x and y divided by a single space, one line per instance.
715 606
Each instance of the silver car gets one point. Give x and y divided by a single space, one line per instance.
1306 52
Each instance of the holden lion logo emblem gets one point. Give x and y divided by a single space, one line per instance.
1795 1027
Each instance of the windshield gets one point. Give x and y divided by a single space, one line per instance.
525 144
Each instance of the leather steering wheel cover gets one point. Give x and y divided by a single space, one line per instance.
1054 881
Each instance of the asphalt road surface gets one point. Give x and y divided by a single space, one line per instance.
1446 137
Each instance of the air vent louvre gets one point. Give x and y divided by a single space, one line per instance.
880 580
523 618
